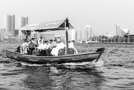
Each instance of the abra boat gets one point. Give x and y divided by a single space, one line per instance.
67 58
74 58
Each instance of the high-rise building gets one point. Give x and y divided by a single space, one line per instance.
24 21
11 23
76 35
8 23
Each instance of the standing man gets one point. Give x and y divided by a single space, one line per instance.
40 40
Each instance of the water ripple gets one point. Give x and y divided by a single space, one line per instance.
116 74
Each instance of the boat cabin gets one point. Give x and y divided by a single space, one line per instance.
49 30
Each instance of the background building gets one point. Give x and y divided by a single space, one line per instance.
24 21
84 34
10 23
3 34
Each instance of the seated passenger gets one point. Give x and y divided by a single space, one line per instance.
59 45
43 48
51 44
71 46
31 46
71 49
48 48
24 47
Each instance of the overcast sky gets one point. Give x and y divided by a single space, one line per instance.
102 15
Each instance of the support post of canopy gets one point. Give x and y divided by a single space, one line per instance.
66 35
66 48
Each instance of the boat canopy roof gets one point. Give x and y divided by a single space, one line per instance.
48 26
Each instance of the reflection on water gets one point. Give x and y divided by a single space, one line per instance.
11 77
77 80
116 74
37 78
40 78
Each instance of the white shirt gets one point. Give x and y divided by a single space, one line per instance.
60 45
71 45
43 46
55 50
24 48
40 41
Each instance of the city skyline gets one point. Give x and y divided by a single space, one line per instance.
11 22
102 15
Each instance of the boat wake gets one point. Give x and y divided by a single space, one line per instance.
27 64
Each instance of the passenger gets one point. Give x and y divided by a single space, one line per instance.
35 41
40 40
32 46
46 45
51 45
24 47
42 48
71 46
59 45
48 48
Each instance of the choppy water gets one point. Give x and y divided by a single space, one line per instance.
116 74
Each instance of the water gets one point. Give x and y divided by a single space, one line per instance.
116 74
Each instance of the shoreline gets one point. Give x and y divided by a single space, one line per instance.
119 45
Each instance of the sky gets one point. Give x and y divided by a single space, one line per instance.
102 15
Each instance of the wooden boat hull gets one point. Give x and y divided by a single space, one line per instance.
33 59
